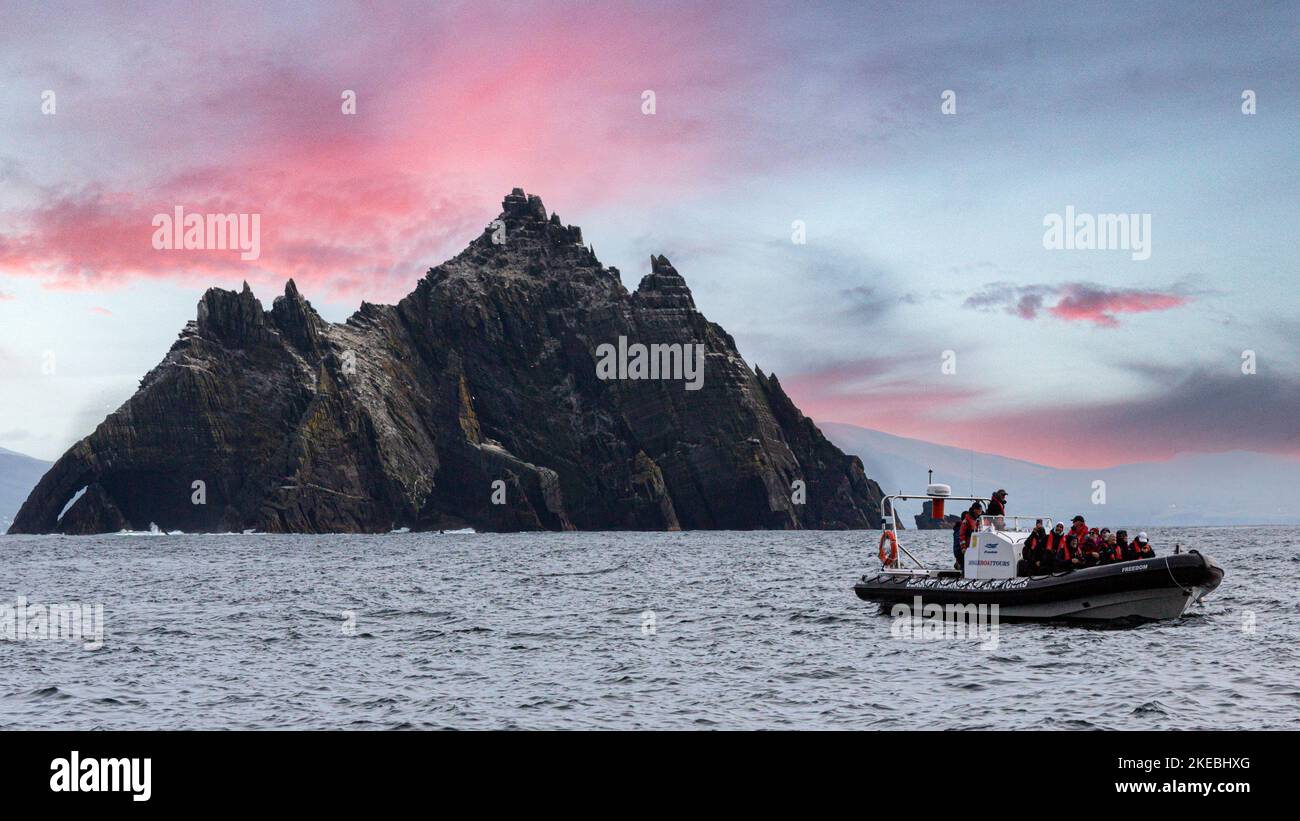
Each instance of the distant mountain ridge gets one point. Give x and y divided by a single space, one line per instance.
1234 488
1244 488
18 475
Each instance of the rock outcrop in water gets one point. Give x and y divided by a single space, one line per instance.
925 519
476 401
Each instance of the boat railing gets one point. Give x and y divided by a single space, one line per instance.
889 510
1020 524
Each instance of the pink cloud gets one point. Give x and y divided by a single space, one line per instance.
1181 412
873 393
1077 301
1089 303
454 108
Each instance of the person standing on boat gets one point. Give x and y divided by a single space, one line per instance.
962 531
998 507
998 504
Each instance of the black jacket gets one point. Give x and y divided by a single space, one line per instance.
1035 547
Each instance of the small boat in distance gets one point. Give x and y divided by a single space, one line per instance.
1159 587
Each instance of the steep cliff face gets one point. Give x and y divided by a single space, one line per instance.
480 399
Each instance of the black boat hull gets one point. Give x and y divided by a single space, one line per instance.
1158 588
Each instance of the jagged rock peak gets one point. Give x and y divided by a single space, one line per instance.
661 265
773 385
519 205
663 287
292 294
230 316
525 214
296 318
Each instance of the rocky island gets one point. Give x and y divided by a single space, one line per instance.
925 519
477 401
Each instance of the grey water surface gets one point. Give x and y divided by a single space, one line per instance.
609 631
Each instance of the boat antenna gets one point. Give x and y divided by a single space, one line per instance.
929 476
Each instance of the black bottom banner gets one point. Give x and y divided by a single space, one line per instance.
207 770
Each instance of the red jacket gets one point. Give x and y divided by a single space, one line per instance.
1058 542
968 525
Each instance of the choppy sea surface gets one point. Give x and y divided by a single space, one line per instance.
610 630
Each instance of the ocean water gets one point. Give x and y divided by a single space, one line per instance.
750 630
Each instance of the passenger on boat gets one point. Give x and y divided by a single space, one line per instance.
1034 559
1143 546
1108 547
1126 551
998 504
1080 528
962 531
1091 547
1067 554
1055 541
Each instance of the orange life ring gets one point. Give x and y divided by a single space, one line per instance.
892 558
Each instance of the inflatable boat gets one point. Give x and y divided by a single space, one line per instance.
1159 587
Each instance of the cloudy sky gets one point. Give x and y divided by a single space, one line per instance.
924 229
